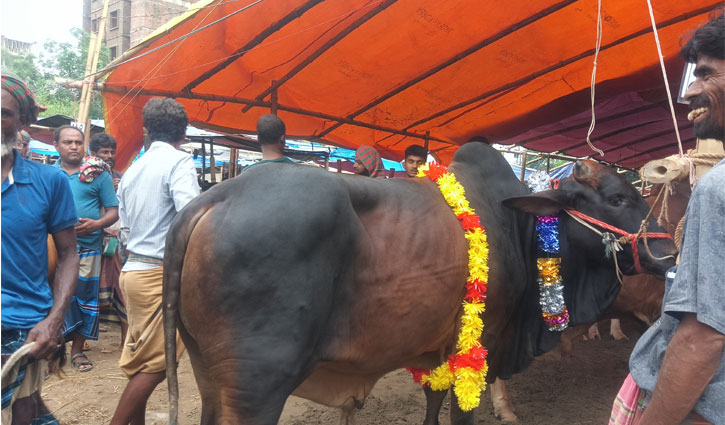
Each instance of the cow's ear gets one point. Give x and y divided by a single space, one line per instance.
545 203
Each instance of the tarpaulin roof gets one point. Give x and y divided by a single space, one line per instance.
390 73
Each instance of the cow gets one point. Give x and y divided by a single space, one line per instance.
291 280
641 294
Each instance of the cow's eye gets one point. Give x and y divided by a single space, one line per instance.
616 201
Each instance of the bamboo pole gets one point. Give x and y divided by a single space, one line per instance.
94 48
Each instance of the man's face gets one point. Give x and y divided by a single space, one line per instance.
108 155
707 98
10 122
411 164
23 146
70 146
359 168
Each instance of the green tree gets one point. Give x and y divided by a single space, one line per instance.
63 60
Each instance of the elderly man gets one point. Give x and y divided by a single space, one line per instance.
92 190
678 365
153 190
36 201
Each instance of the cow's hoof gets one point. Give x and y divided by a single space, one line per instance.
593 332
506 416
618 336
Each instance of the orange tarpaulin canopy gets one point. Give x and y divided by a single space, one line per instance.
392 73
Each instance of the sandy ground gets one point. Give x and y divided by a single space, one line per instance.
579 390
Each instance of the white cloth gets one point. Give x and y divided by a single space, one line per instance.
153 190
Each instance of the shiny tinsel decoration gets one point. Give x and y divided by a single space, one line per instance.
547 234
539 181
551 288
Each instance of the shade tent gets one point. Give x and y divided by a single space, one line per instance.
390 73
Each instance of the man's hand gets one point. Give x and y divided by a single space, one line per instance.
86 226
115 184
45 334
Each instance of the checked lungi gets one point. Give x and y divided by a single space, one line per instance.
629 406
82 315
21 402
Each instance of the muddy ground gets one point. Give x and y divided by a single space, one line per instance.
579 390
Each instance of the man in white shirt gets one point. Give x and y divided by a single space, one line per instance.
153 190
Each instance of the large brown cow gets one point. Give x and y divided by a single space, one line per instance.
283 280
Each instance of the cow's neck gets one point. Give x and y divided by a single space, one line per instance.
589 287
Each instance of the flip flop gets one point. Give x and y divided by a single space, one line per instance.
78 365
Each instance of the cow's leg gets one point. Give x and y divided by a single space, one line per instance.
433 403
593 332
615 329
458 416
501 405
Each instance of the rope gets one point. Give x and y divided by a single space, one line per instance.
664 75
678 233
594 78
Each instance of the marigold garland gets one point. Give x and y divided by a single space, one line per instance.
466 369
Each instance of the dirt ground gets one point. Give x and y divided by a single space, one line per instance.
579 390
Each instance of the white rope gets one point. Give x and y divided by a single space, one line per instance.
594 78
664 75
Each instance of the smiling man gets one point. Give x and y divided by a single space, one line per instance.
90 193
678 365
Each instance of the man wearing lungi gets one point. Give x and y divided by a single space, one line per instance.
153 190
110 300
92 189
36 201
678 366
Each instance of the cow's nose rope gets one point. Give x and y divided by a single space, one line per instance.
613 243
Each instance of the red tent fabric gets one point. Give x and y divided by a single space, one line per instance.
392 73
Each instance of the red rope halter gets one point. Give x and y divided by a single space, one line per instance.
625 236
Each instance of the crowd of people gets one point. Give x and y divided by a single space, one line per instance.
88 210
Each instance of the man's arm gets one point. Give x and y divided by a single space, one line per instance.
88 225
45 333
690 362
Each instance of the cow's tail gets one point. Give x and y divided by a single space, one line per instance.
176 243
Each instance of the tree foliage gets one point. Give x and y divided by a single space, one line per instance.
56 59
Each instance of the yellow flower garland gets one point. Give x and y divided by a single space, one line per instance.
466 370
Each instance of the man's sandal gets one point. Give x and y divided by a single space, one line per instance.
79 365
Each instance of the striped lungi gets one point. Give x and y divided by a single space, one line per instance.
22 383
82 315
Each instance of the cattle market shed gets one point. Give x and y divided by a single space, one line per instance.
392 73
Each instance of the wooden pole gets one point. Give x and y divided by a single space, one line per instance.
212 163
426 140
273 98
523 167
232 162
94 48
203 161
339 166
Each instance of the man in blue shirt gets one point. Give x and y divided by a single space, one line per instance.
36 201
91 192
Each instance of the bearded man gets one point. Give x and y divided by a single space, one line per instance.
36 201
678 366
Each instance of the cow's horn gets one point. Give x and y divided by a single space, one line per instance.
581 171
